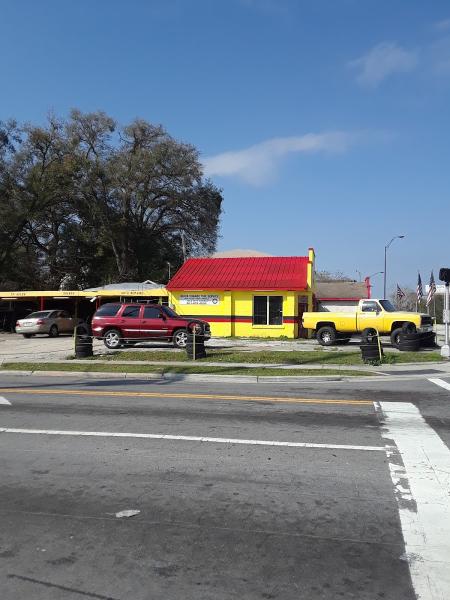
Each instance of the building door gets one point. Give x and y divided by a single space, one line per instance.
302 307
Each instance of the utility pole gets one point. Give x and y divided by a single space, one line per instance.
444 275
385 259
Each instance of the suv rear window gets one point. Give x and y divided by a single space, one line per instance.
108 310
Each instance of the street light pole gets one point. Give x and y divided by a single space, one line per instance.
385 260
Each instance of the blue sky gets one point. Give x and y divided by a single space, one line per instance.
325 122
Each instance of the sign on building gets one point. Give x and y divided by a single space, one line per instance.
209 299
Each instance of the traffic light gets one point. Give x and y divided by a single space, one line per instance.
444 275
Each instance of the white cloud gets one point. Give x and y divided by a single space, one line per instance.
382 61
439 56
443 25
258 164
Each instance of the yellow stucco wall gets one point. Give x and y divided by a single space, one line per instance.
236 310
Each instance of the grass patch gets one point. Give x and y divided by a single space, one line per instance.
90 367
294 357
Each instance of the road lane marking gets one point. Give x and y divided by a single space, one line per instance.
441 382
421 476
4 401
42 392
189 438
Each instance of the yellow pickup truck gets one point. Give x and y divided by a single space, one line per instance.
338 327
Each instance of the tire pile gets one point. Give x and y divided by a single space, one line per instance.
83 342
370 349
195 344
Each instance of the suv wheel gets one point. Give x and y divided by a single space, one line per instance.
112 339
180 338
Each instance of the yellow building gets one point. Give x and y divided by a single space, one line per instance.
246 296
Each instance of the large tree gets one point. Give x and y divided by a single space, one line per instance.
86 201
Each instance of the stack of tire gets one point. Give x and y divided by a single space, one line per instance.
409 339
428 340
195 344
83 342
370 350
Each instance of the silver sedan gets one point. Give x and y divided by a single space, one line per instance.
51 322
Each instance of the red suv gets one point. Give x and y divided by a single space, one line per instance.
128 324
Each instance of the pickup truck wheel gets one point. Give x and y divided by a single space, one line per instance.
326 336
395 337
113 339
409 328
180 338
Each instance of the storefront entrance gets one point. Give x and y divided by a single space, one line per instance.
302 307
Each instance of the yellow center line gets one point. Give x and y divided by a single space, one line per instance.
55 392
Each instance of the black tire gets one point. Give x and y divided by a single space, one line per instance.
369 336
113 339
83 346
198 326
410 337
27 335
53 331
428 340
409 328
179 338
326 336
370 353
395 337
410 346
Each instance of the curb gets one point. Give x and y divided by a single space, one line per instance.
203 378
179 377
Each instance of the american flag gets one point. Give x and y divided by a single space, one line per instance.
419 288
431 289
400 293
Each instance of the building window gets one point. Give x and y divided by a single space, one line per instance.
267 310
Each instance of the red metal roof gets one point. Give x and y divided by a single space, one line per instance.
246 273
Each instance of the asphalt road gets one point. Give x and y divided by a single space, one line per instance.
235 514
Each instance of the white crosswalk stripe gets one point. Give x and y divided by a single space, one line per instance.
420 473
441 383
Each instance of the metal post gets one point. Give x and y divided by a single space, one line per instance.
379 346
75 318
396 237
445 350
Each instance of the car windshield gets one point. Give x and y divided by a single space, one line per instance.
169 312
386 304
40 314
